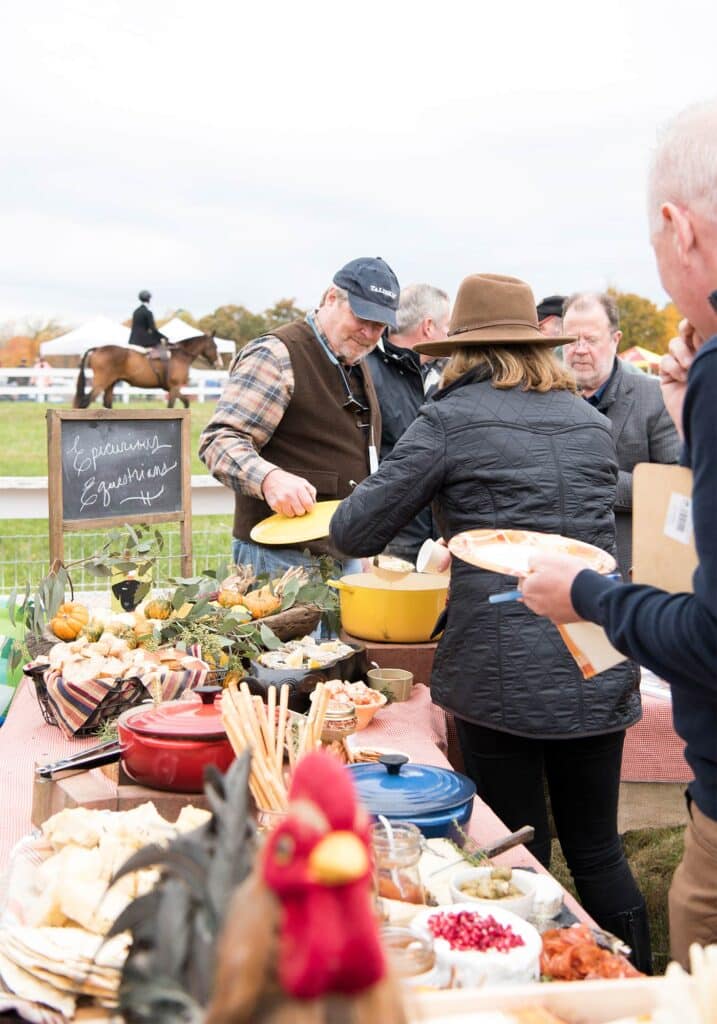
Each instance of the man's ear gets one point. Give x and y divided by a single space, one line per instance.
617 335
677 219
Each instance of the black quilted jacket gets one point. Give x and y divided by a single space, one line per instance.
502 458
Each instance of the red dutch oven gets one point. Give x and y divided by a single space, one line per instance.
170 745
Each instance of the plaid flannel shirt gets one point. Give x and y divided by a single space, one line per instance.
253 403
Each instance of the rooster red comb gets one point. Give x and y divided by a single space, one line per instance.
321 779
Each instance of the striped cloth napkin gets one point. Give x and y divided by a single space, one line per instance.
73 703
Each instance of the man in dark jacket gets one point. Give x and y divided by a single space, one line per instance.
550 316
403 380
675 635
144 331
641 426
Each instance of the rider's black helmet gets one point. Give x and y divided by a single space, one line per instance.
144 295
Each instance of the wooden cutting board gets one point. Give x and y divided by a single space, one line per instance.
95 790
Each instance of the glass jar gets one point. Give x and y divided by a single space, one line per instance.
340 721
412 958
397 848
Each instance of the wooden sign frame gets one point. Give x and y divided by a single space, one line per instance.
58 525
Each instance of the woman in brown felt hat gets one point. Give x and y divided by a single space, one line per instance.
506 443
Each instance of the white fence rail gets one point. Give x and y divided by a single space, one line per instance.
26 383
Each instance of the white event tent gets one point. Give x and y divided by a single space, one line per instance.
99 331
103 331
178 330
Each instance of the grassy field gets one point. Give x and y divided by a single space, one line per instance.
653 855
24 438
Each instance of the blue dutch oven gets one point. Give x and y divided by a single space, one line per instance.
436 800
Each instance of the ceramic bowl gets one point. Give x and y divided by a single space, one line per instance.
365 712
474 968
521 905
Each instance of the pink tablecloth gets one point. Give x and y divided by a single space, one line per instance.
653 750
25 739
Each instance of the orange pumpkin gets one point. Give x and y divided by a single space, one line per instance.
69 620
158 608
262 602
229 598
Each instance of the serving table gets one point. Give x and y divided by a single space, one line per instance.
25 740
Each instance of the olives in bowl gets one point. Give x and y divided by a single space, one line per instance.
492 886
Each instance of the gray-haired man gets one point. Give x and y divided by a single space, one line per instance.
674 634
403 379
641 426
299 420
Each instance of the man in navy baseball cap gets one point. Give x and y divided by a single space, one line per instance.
372 287
550 316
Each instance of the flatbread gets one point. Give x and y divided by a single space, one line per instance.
27 986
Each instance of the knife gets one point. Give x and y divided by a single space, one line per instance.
474 849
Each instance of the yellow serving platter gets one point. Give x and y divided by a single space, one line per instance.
278 529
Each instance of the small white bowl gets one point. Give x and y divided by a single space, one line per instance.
473 968
521 905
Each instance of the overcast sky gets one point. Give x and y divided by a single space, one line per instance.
222 152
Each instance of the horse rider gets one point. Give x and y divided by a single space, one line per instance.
144 331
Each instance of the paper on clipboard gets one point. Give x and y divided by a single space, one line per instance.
590 647
663 546
663 554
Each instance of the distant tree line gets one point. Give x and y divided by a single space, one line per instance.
641 322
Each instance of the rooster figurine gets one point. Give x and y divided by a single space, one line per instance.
300 943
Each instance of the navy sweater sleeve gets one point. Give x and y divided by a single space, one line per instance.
674 635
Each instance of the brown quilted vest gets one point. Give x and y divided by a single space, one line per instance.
317 437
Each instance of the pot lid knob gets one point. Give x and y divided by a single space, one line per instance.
207 693
393 763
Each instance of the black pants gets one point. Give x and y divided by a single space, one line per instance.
583 780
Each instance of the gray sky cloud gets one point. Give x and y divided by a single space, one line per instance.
235 153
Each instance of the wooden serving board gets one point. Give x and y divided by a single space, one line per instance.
95 790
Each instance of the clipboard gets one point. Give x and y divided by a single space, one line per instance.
663 545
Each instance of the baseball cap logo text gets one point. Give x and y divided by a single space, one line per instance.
382 291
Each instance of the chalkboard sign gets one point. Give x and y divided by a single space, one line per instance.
108 467
116 468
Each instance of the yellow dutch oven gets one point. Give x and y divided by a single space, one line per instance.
403 612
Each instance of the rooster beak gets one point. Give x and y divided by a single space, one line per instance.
337 859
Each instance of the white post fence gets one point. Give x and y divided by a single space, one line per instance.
27 383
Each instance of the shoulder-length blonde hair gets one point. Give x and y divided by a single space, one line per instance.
530 367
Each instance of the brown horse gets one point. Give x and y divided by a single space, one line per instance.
111 363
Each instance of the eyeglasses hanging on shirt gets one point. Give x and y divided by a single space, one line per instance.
352 402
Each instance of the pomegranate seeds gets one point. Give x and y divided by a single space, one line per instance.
468 930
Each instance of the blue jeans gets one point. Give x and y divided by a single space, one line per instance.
276 561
